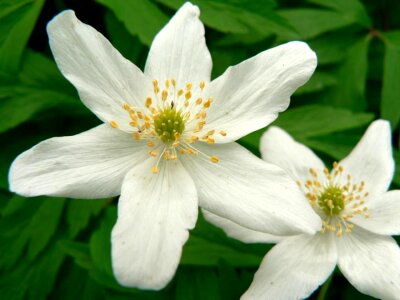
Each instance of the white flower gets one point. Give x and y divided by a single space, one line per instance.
166 144
358 216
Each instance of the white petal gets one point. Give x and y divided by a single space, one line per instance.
155 212
179 50
294 268
371 263
250 95
384 214
279 148
104 79
371 160
89 165
239 232
249 191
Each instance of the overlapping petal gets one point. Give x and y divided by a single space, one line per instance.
90 165
250 95
104 79
179 50
294 268
279 148
384 214
249 191
371 160
155 213
371 263
240 232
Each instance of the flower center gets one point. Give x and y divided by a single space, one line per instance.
336 198
331 200
168 124
172 120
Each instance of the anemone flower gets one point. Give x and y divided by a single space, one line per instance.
166 144
357 213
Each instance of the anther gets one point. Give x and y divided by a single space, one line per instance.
114 124
214 159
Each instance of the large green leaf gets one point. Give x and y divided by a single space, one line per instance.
21 16
254 17
142 18
352 75
351 9
311 120
390 104
39 86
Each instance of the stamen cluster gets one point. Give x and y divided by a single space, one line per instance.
174 117
336 202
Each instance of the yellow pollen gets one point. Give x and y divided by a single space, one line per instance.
210 140
198 101
114 124
167 84
173 81
188 95
136 136
151 144
126 106
153 153
189 86
164 95
154 170
223 133
202 85
180 93
148 102
214 159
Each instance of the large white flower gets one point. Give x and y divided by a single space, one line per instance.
358 216
166 144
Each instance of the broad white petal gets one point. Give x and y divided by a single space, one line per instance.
384 214
371 160
294 268
179 50
155 212
104 79
239 232
371 263
250 95
89 165
249 191
279 148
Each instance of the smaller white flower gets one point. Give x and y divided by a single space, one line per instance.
358 216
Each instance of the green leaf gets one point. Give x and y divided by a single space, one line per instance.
79 213
312 120
396 179
43 225
40 87
234 16
142 18
390 104
352 75
129 46
318 82
197 283
100 242
310 22
352 9
16 37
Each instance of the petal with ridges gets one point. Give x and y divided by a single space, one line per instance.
239 232
249 191
384 214
371 263
279 148
155 212
250 95
179 50
104 79
371 160
294 268
89 165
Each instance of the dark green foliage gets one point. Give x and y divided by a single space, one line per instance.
60 248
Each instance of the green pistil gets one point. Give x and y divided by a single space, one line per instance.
331 201
169 123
